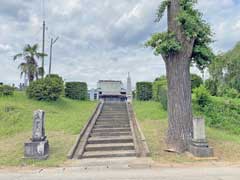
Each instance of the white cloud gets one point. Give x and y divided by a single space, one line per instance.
100 39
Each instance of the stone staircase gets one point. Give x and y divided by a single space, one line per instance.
111 135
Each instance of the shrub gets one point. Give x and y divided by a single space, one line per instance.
202 96
6 90
76 90
235 82
211 86
144 91
48 89
157 84
223 115
196 81
163 98
232 93
222 90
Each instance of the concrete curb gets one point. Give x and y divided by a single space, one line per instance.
141 146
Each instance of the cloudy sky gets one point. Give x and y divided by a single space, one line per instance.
100 39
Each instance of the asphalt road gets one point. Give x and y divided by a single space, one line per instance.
104 173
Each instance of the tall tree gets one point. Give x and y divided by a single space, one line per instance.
29 66
186 41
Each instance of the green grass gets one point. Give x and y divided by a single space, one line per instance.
153 121
149 110
64 120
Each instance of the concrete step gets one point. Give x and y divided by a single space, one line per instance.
110 134
111 130
109 147
112 122
114 119
112 126
114 112
113 116
104 140
105 154
117 124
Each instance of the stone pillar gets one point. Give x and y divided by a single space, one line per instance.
129 88
38 147
199 145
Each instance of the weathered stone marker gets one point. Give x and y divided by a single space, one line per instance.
38 148
199 145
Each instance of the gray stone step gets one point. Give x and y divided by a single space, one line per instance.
110 134
111 130
118 124
112 126
109 147
112 122
111 117
115 119
105 154
104 140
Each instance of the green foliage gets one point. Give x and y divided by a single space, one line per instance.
6 90
157 84
223 115
232 93
202 96
76 90
162 7
144 91
235 82
196 81
211 86
222 90
164 43
163 97
29 66
194 28
225 68
226 91
160 91
47 89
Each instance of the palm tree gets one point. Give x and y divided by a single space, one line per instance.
29 67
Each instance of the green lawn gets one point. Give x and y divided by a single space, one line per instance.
153 121
64 120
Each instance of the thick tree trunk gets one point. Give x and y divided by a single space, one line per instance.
179 103
179 86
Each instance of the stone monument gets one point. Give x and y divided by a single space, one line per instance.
199 146
129 88
38 147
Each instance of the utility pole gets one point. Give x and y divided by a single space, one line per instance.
43 47
51 47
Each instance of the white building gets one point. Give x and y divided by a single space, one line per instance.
111 90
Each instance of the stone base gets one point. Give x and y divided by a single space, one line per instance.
201 151
36 149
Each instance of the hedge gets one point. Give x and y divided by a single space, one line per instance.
6 90
144 91
76 90
221 113
48 89
157 84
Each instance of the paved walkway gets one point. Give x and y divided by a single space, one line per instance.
120 170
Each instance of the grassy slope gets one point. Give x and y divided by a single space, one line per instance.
64 120
153 120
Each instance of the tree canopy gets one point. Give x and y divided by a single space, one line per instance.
225 68
193 27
